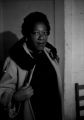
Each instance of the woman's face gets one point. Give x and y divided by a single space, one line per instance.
38 37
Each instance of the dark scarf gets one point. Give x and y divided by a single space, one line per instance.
21 58
18 54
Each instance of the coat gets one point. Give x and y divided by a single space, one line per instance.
13 79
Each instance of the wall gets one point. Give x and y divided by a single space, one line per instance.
74 53
59 33
13 12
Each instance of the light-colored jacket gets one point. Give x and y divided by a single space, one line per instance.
14 76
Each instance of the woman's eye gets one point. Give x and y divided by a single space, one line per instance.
37 33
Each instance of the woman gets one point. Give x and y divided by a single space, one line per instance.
30 87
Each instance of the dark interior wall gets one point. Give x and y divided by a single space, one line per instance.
11 18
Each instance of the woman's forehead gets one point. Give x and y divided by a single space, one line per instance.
40 26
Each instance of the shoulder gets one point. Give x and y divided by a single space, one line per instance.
9 64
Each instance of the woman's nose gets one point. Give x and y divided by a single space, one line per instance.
41 36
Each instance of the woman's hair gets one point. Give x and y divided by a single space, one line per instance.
31 19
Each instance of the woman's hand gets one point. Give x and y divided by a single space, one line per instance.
23 94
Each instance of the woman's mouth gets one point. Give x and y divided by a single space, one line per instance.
41 45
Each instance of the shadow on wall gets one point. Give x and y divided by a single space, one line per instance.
7 40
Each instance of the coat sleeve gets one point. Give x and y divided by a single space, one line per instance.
8 82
